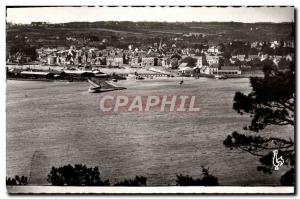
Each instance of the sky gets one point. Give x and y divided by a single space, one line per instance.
168 14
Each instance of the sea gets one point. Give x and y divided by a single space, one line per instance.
52 124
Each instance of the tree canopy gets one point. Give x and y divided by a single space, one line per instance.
79 175
206 180
270 103
189 60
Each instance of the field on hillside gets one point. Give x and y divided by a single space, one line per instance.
139 33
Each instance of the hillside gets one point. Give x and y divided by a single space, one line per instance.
144 33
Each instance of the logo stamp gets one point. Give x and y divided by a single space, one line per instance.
277 161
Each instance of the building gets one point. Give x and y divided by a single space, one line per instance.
229 71
276 59
274 44
289 44
185 71
254 44
38 24
251 57
251 72
147 61
209 70
118 61
135 62
263 57
98 61
289 58
52 60
213 50
114 61
199 61
182 65
212 59
239 57
165 61
157 61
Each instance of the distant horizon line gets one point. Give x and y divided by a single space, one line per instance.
151 14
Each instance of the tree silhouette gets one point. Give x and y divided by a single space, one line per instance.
270 103
189 60
17 181
177 56
138 181
79 175
25 50
207 180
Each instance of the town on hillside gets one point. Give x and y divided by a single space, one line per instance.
189 54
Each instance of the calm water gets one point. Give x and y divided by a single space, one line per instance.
58 123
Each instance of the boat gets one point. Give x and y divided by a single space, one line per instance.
98 86
220 77
94 88
140 78
181 82
217 76
96 71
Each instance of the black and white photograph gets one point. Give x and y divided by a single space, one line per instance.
150 99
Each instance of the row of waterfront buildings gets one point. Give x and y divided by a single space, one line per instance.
207 60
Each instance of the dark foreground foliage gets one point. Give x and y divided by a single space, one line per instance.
206 180
288 179
79 175
270 103
17 181
137 181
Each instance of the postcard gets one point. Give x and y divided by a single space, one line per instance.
150 99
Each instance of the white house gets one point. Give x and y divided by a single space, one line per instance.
199 61
147 61
209 70
187 71
114 61
212 59
213 49
134 62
